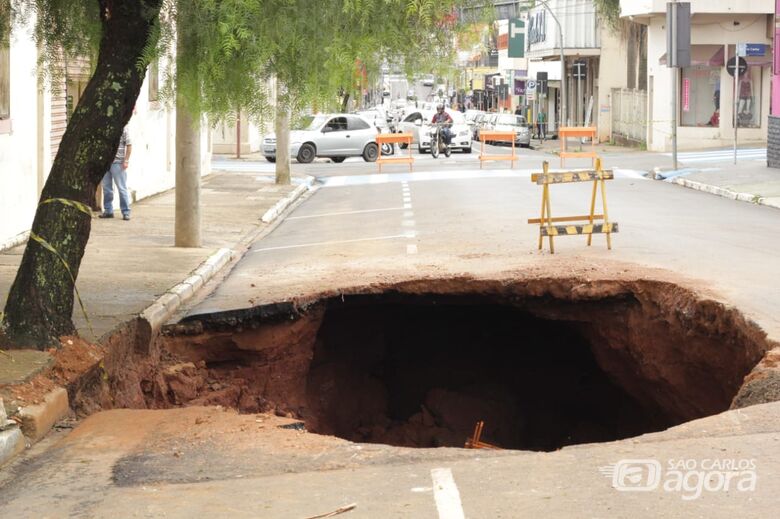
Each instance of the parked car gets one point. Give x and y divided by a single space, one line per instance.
516 123
485 123
418 124
472 119
336 136
428 80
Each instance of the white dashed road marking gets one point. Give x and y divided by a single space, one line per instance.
323 215
338 242
446 494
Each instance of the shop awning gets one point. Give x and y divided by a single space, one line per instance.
708 55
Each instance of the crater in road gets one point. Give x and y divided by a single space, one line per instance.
544 363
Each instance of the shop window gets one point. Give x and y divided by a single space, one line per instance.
749 97
700 96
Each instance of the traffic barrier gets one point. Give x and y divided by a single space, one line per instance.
567 132
546 228
490 135
394 138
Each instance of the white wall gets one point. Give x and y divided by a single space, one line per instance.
25 151
648 7
578 21
19 152
706 29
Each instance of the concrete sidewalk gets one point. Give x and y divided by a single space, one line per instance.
747 181
132 269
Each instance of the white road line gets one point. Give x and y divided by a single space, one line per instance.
408 223
323 215
407 205
411 248
446 494
408 214
338 242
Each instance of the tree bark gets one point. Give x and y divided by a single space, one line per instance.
187 226
282 126
40 304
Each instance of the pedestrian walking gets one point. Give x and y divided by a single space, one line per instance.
541 120
117 174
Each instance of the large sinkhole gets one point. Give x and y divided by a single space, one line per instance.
420 370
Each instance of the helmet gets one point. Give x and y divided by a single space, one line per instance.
439 107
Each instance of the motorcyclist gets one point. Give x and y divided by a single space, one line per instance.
443 118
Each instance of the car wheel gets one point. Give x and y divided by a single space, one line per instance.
467 150
370 152
403 145
307 153
271 159
338 160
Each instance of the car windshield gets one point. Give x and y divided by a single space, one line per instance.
511 120
317 122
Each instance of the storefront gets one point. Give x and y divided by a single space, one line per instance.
706 105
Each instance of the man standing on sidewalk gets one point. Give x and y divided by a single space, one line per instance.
118 175
541 119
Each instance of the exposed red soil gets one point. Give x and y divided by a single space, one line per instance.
681 357
71 361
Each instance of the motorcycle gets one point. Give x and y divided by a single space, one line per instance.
437 141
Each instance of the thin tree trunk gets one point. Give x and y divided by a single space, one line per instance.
282 125
187 226
40 304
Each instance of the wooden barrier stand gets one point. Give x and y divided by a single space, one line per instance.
546 227
565 133
394 138
487 135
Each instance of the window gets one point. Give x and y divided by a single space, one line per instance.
337 124
356 123
749 97
413 117
154 80
700 96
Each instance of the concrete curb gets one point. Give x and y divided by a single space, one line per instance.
38 419
11 443
19 239
723 192
159 312
285 202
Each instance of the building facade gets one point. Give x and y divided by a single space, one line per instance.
33 119
707 96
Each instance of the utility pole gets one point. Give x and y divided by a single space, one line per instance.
678 52
564 114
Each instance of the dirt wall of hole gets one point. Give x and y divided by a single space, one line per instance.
662 345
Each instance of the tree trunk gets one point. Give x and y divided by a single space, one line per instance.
282 125
187 227
40 304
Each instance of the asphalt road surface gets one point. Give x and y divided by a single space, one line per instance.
448 218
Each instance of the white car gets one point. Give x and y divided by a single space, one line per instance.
515 123
336 136
418 123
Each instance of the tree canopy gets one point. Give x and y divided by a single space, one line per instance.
231 48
